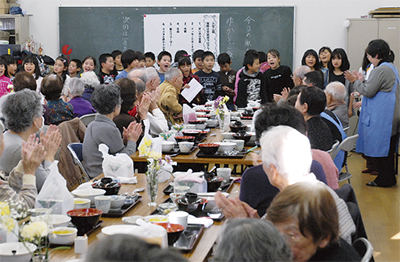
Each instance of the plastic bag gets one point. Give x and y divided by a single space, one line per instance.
118 166
54 193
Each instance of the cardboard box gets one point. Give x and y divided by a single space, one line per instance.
4 5
4 11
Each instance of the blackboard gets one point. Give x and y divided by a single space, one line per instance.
95 30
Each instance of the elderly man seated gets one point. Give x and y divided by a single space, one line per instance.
286 157
335 101
32 155
169 98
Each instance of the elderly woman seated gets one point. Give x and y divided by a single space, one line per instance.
60 111
106 99
124 247
251 239
32 155
90 82
80 106
305 213
23 117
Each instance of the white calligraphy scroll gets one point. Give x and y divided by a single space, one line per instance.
173 32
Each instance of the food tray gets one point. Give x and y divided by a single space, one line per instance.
239 155
174 150
189 238
125 208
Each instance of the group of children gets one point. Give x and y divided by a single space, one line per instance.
259 79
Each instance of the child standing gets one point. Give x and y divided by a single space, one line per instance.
60 68
31 65
4 80
116 54
251 86
277 77
89 64
106 74
185 65
74 68
310 59
141 59
150 59
197 60
11 65
228 76
209 79
164 61
129 61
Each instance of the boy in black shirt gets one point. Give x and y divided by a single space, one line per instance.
107 74
251 86
228 77
209 79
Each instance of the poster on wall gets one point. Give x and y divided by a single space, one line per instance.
174 32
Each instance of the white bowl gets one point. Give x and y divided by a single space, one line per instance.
22 254
167 146
227 135
117 202
59 220
117 229
235 113
63 235
212 122
211 206
201 126
80 203
89 193
225 146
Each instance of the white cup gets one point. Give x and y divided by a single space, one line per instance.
103 203
225 173
185 147
178 217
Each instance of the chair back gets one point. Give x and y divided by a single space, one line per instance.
334 150
86 119
349 143
76 152
364 249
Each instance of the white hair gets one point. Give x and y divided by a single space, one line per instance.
76 87
288 150
150 73
301 71
171 73
337 90
90 79
137 73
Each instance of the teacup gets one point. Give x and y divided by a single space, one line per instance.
81 203
185 147
103 203
239 143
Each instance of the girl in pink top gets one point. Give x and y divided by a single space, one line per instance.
4 80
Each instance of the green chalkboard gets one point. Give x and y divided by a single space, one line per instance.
95 30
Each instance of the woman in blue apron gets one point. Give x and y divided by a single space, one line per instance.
380 113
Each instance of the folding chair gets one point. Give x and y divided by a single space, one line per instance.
347 145
363 248
334 150
76 152
86 119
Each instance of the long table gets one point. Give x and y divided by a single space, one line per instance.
201 250
213 136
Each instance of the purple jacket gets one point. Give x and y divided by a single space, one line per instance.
81 106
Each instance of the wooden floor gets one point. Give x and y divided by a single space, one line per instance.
380 209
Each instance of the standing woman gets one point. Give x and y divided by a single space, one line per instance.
380 113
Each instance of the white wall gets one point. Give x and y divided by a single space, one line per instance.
317 22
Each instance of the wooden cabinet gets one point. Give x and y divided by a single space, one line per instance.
17 26
362 31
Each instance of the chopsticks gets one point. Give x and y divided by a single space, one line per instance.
251 149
